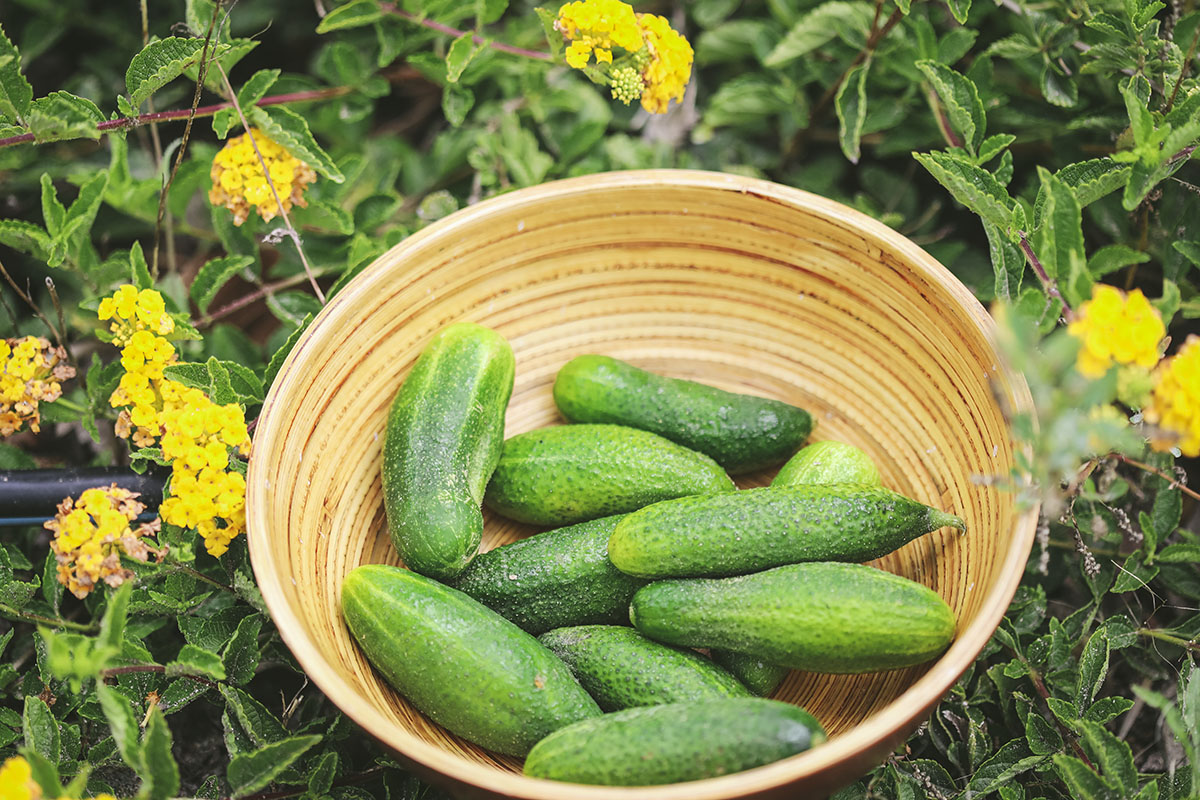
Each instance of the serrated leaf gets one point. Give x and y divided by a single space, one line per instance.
851 106
44 773
1042 737
16 94
320 777
1111 756
994 145
1182 553
250 772
961 100
193 660
242 654
112 625
1004 766
974 187
161 62
1083 783
290 131
213 276
139 270
1093 668
278 357
1058 89
351 15
457 102
1114 257
54 213
260 725
13 592
816 28
1059 241
258 85
123 723
193 376
1134 574
62 115
220 388
82 212
41 730
462 50
1090 181
26 237
1008 263
1106 709
1014 47
162 773
959 9
1166 512
293 307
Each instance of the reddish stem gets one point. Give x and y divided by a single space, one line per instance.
1048 283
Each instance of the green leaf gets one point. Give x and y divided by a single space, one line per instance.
41 730
288 129
1141 122
82 212
1114 257
241 655
816 28
320 777
960 9
1106 709
14 458
250 772
193 376
258 85
1112 756
1090 180
851 106
259 724
15 92
974 187
62 115
220 387
1008 263
352 15
1166 512
44 773
1093 668
213 276
25 237
13 592
162 773
457 101
1042 737
994 145
961 100
461 51
1059 241
123 723
194 660
293 307
1182 553
1134 574
161 62
1015 47
1058 89
278 357
1189 250
54 213
1083 783
139 270
1003 767
112 625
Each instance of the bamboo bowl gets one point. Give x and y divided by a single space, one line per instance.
744 284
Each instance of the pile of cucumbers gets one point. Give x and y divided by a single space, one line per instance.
527 649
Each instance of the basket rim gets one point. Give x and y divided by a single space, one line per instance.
883 729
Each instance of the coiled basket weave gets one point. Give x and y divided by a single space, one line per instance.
740 283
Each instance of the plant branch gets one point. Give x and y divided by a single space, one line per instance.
538 55
1163 636
27 616
29 301
1174 481
1048 283
1039 686
126 123
1183 73
264 291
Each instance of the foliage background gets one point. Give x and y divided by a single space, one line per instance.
1087 690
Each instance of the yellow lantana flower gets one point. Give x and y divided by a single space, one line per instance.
1116 328
31 370
1175 403
669 69
594 27
239 182
16 780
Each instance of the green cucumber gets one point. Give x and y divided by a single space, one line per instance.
755 674
740 432
461 664
620 668
828 462
740 532
442 441
572 473
553 579
654 745
823 617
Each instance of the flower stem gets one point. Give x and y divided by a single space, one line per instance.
26 616
1048 283
538 55
1163 636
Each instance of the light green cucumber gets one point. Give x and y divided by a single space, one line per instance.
460 663
740 432
553 579
620 668
739 532
442 441
572 473
822 617
828 462
655 745
755 674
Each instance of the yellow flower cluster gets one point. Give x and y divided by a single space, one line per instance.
91 535
196 435
1175 403
30 373
239 182
132 311
1116 328
17 783
659 62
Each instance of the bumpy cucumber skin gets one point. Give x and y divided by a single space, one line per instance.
740 432
620 668
755 674
443 438
823 617
828 462
553 579
655 745
460 663
739 532
573 473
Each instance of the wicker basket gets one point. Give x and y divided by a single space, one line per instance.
740 283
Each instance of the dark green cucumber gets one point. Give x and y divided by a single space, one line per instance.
554 579
572 473
755 674
823 617
740 432
620 668
828 462
740 532
460 663
654 745
443 439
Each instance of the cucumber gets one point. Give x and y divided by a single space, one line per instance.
823 617
442 441
654 745
740 432
554 579
620 668
461 664
828 462
572 473
740 532
755 674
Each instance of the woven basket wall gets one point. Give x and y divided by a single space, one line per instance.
742 284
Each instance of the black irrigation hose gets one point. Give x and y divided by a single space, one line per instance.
31 496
